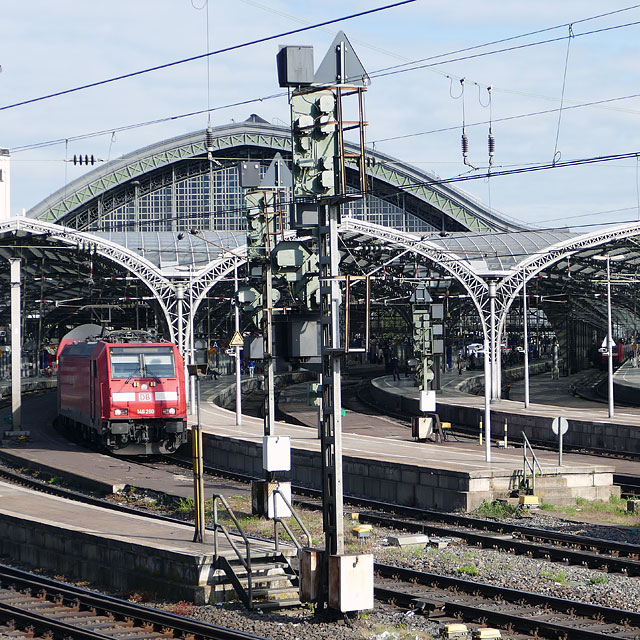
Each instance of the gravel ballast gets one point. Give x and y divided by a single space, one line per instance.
457 560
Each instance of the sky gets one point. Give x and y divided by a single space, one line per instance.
415 111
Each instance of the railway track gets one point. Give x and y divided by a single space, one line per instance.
31 605
564 548
432 594
516 611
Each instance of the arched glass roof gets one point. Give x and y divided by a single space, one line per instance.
499 251
175 252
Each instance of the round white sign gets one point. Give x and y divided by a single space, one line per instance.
560 425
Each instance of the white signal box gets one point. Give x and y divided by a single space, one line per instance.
276 453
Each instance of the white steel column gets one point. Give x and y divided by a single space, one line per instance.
16 346
487 401
525 313
494 347
237 348
609 338
180 340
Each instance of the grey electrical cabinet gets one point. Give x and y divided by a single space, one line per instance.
295 66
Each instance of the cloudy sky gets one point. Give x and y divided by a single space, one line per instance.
416 104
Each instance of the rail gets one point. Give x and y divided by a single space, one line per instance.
529 464
246 562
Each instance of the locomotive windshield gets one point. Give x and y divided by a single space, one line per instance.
142 362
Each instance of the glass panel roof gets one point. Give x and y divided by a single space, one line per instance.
171 250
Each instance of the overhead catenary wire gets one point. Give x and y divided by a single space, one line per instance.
416 67
282 94
520 116
556 154
435 182
175 63
509 39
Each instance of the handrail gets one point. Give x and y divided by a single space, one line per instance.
217 526
277 520
530 465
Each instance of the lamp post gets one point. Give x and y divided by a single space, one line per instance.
525 312
236 313
609 258
609 338
196 232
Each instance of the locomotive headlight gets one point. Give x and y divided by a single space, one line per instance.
121 412
169 412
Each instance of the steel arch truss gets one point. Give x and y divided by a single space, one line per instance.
206 279
161 288
475 286
99 181
509 288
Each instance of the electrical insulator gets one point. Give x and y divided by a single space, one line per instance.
209 137
492 148
83 159
465 147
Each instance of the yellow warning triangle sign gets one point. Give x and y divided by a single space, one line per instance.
237 340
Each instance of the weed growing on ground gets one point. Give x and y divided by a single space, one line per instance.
598 580
397 554
185 505
613 511
468 570
496 509
560 577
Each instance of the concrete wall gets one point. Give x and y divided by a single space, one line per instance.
409 485
400 484
115 563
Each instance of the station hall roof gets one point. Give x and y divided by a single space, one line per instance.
423 195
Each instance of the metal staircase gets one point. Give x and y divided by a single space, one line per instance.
530 465
263 575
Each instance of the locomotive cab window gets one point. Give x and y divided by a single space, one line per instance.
142 362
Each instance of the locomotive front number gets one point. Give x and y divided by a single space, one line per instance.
145 397
145 412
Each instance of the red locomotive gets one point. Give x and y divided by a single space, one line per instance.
621 353
123 393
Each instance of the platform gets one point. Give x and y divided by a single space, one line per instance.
589 424
626 385
384 463
124 551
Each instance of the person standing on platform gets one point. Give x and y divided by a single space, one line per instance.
460 363
395 370
252 368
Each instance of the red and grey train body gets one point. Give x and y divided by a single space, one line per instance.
621 353
127 397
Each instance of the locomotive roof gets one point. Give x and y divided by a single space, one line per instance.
80 349
84 349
